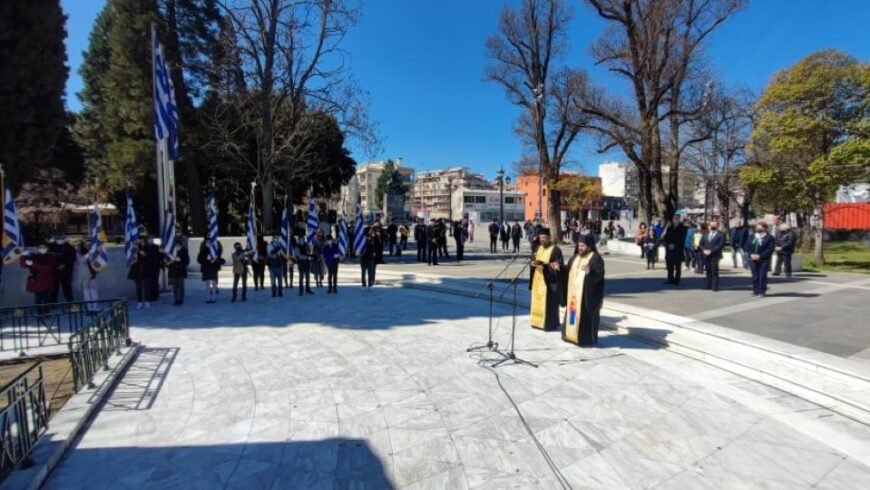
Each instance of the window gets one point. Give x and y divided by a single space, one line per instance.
468 199
480 199
509 200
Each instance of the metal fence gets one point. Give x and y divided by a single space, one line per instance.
91 347
24 328
23 417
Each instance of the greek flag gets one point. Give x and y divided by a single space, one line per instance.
313 222
131 231
212 237
97 254
251 231
165 109
168 236
359 234
342 234
285 232
11 241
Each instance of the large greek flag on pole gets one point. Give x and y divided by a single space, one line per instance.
168 236
359 234
312 222
342 233
11 241
285 232
251 230
212 237
165 109
131 231
97 254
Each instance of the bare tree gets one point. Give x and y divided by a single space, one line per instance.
524 52
656 46
293 63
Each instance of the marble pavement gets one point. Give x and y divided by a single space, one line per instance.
375 390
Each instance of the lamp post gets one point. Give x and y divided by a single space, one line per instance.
501 182
450 204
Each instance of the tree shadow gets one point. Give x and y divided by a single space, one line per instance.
326 463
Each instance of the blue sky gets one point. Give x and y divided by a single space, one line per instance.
422 62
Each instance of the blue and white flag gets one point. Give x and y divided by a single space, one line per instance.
359 234
312 222
342 233
168 235
251 231
212 236
166 126
11 241
131 231
285 232
97 253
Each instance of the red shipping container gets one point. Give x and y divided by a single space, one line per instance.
847 216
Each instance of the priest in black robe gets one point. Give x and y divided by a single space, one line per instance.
583 294
545 282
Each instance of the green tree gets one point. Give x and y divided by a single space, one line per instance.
389 182
32 84
812 134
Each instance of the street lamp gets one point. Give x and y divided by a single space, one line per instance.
501 182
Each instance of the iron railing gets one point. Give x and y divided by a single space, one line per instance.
91 347
23 328
23 417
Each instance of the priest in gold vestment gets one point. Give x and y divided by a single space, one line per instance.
545 281
583 294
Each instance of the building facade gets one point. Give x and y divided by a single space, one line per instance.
532 190
613 178
365 182
483 205
434 191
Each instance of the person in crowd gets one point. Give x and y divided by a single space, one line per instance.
544 283
504 233
688 246
378 242
154 254
442 238
610 231
420 238
404 232
144 271
737 237
493 237
303 253
658 228
459 237
210 267
290 260
582 286
331 258
176 271
673 239
516 236
711 246
276 261
85 277
527 227
258 265
471 231
392 237
432 237
42 268
241 258
620 232
785 242
651 248
760 252
697 251
65 255
368 263
318 267
638 239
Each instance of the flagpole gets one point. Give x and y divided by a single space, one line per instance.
161 193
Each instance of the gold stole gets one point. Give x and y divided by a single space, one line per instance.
538 311
574 307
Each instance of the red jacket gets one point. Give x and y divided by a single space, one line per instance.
42 272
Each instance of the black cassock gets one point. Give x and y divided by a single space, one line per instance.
584 305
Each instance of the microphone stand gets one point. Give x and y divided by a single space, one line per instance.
510 356
490 345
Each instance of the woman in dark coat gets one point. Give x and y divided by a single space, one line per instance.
210 266
143 272
583 294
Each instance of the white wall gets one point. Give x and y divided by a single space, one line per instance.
612 176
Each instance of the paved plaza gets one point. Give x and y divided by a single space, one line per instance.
376 390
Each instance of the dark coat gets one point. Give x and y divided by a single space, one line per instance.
147 263
764 249
737 236
786 241
65 255
714 244
673 240
593 287
178 268
210 268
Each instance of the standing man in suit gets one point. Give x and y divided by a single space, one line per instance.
784 249
493 237
760 252
673 239
420 238
711 246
